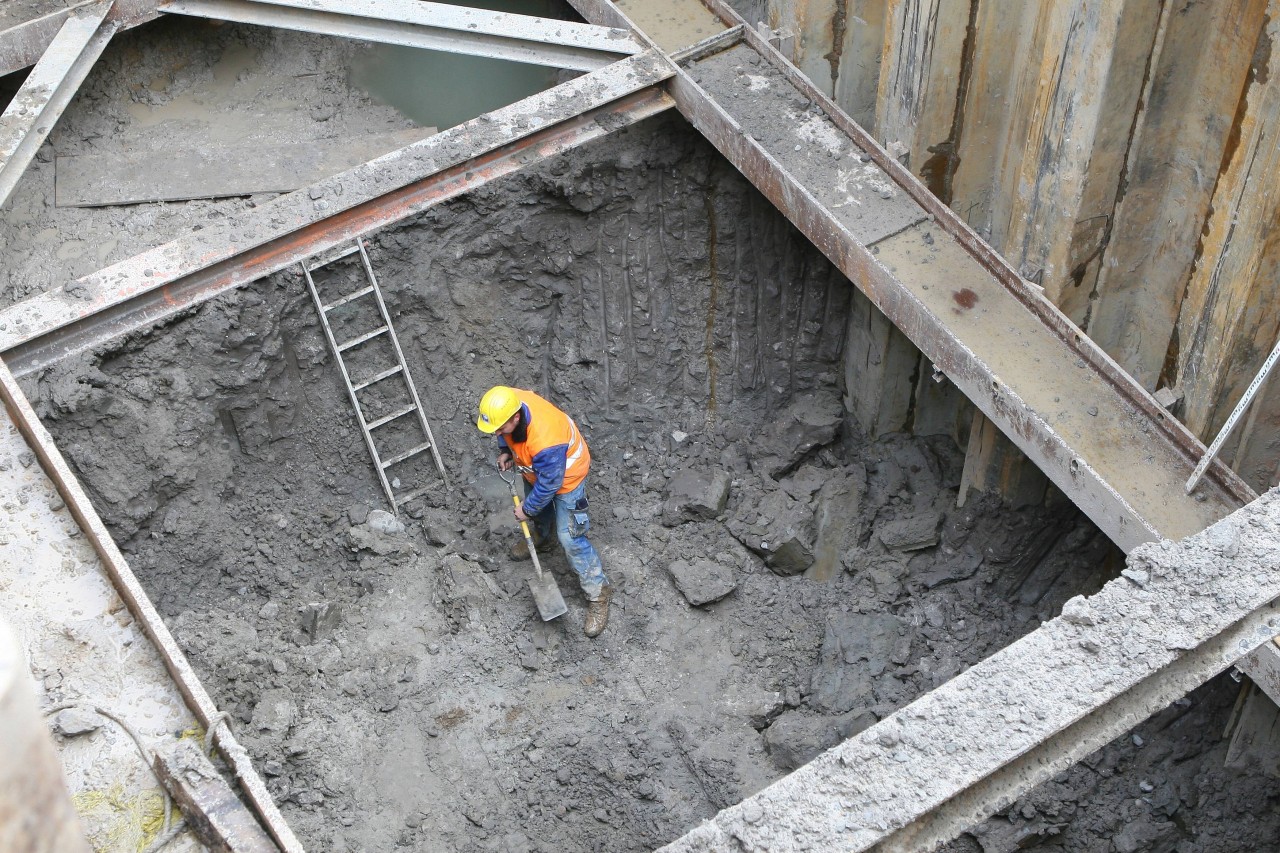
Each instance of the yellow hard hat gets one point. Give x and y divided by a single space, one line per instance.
497 406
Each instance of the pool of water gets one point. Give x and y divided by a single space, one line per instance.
437 89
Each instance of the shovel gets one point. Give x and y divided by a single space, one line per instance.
546 594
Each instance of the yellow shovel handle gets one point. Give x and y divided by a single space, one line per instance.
524 525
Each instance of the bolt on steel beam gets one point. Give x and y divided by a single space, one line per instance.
435 26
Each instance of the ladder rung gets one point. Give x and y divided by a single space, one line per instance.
354 342
401 500
378 377
400 457
386 419
350 296
326 259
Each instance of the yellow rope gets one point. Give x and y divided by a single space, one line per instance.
120 821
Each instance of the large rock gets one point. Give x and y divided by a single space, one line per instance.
812 420
797 737
911 532
702 581
837 520
857 648
778 528
694 495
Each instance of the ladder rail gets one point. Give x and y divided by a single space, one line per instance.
408 380
346 381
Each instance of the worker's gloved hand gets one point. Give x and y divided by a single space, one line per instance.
505 461
520 516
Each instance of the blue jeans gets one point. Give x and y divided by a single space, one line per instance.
571 525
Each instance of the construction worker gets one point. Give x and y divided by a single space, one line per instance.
544 443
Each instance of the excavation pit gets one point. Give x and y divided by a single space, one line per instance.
783 581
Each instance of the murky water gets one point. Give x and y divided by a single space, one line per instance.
438 89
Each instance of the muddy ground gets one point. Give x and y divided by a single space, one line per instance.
782 581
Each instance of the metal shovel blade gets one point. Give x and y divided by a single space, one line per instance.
543 586
547 596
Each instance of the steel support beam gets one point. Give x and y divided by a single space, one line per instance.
48 89
138 292
972 746
985 738
435 26
1047 386
140 607
28 27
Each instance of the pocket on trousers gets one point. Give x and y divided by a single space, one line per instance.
579 524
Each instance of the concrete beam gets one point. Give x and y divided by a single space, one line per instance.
140 291
39 102
434 26
970 747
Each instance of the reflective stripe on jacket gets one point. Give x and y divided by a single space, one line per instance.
553 448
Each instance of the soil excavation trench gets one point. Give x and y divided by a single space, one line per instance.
783 582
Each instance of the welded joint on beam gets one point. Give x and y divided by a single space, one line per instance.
712 44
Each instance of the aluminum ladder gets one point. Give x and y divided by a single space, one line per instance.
368 427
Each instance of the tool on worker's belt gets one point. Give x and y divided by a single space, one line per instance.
546 594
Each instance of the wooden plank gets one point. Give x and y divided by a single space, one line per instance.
1256 458
992 463
1229 320
879 363
1196 81
131 177
211 808
918 118
1060 166
1063 178
859 58
1002 46
1254 730
916 109
814 23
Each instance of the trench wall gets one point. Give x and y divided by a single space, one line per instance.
1111 151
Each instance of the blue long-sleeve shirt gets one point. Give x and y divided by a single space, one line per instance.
548 470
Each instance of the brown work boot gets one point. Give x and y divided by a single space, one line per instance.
520 550
598 612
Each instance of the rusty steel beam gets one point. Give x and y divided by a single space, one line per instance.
50 86
28 27
138 292
1089 455
433 26
129 589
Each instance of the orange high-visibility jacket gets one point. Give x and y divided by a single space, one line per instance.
553 448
